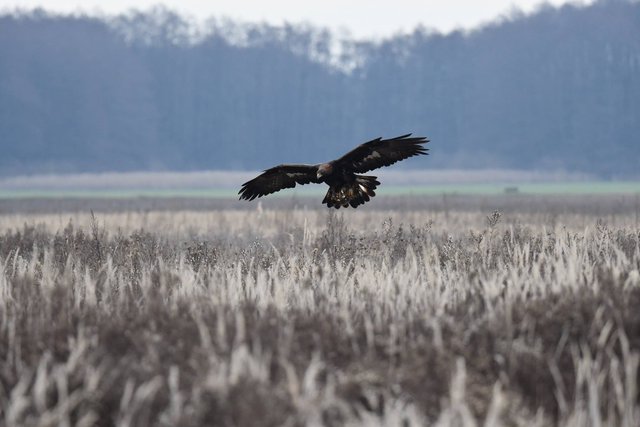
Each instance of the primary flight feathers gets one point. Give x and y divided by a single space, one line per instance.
345 187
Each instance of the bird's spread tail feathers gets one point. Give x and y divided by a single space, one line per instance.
354 193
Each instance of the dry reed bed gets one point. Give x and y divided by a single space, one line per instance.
234 224
302 317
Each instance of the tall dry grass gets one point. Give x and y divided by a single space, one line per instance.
303 317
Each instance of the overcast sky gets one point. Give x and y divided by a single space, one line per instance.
362 18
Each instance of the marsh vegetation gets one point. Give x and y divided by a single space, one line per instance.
462 316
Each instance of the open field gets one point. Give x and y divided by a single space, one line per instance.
570 188
434 310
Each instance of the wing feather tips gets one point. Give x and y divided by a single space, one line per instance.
415 147
407 138
403 136
246 194
250 190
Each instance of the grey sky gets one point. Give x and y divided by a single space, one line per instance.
362 18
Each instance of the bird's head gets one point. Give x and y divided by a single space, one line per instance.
324 170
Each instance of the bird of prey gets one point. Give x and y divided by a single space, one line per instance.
346 187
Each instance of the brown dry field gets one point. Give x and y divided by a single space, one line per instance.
441 310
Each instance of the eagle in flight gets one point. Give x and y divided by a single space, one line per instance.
346 188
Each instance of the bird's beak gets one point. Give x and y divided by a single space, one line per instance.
319 175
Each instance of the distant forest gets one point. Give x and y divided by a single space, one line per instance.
558 89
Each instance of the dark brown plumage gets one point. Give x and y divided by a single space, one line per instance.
345 187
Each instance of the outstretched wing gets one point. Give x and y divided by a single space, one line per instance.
278 178
383 152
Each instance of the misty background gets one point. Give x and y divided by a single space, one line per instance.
557 90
